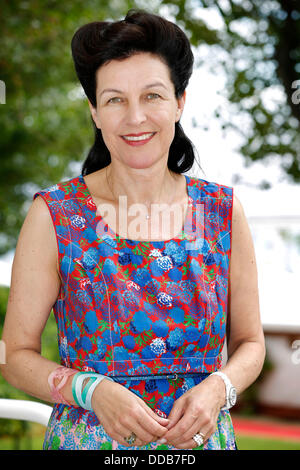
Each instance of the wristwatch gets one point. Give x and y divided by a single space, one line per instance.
231 394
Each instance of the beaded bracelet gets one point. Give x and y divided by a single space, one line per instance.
82 393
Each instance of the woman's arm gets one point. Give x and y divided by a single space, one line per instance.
245 337
198 409
35 286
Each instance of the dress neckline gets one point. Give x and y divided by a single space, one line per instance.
116 236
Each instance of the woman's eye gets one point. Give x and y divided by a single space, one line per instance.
153 96
114 100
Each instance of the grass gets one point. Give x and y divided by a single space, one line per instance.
256 443
32 441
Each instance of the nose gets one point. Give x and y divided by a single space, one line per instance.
135 114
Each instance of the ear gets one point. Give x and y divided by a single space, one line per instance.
180 106
94 114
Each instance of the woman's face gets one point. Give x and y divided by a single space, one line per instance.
137 109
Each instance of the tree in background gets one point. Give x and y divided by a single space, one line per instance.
46 127
259 46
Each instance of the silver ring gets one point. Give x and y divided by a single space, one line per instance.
199 438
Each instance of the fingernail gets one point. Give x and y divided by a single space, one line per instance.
162 441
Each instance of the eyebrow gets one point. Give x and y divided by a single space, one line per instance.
151 85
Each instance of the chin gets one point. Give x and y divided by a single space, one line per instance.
140 163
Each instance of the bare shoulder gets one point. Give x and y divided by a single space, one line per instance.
243 268
237 209
241 233
38 235
35 282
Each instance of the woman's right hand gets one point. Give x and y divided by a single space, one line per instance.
121 412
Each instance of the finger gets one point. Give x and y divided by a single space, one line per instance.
185 422
188 435
150 423
176 414
162 421
128 424
144 435
187 445
121 438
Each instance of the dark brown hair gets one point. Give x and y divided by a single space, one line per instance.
96 43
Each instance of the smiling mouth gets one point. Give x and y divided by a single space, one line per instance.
138 138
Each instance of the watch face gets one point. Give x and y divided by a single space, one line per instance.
232 396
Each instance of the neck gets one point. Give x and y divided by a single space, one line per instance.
144 187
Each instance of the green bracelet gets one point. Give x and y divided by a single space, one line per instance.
83 396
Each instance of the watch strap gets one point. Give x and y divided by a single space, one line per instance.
228 386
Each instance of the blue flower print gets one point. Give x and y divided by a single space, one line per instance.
110 241
129 342
105 250
192 334
84 343
83 297
89 260
175 339
91 322
158 346
121 354
141 276
224 240
110 337
130 298
165 404
152 286
195 192
141 321
164 299
124 258
147 353
136 259
156 270
165 263
209 259
195 268
175 274
188 285
150 386
177 314
101 348
109 267
176 252
160 328
75 329
77 221
99 291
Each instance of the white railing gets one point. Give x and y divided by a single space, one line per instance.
25 410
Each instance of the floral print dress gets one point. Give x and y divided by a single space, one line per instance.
150 314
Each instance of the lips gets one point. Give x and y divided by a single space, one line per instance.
138 139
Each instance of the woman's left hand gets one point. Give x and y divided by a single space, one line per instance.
196 411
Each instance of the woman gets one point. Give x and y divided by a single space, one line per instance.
143 303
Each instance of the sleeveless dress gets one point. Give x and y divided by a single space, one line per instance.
150 314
